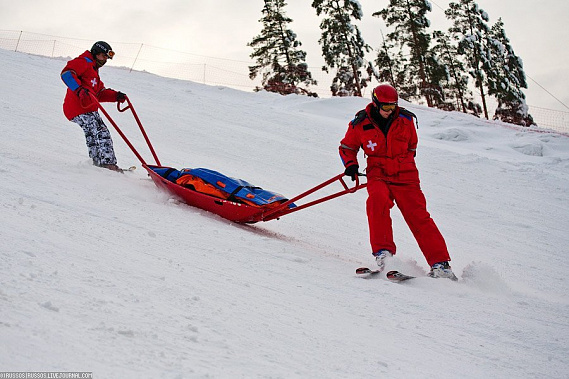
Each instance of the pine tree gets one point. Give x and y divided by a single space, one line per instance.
507 80
410 22
470 28
437 77
342 45
390 67
277 54
456 91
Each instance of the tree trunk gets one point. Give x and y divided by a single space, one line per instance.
483 100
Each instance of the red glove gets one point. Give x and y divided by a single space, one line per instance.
84 97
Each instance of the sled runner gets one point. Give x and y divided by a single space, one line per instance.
233 199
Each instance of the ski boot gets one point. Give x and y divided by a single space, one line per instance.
380 257
442 270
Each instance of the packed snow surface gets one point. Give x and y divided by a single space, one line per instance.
103 272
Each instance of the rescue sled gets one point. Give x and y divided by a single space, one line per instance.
230 208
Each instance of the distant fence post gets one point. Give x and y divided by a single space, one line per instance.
18 43
137 54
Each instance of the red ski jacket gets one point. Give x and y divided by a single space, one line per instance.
83 72
390 158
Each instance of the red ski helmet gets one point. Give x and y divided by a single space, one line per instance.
384 93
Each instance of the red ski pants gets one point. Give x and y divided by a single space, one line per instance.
413 206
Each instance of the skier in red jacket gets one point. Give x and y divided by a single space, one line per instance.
387 135
81 75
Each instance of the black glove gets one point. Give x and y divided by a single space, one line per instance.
121 97
352 171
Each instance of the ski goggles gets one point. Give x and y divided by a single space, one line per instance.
110 54
387 107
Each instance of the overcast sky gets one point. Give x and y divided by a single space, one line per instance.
222 28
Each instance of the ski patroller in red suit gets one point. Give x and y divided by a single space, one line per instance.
388 137
81 76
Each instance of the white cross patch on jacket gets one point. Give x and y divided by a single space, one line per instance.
94 82
371 145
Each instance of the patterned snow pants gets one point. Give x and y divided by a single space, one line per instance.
98 138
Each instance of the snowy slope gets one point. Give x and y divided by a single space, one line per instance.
102 272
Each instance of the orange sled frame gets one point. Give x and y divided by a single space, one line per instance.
236 212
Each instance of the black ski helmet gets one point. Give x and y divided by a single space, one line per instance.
102 47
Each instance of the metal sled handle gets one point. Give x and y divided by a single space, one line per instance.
130 106
119 131
283 208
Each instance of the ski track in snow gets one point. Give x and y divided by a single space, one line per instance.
103 272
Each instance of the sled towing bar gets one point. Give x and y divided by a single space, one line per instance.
119 131
236 212
283 209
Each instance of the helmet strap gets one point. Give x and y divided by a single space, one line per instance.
98 62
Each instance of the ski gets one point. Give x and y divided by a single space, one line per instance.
366 271
394 276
